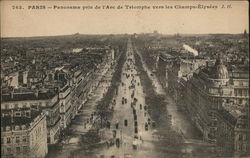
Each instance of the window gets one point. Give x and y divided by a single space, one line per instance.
24 139
17 139
25 148
243 92
16 106
244 137
8 140
18 149
9 150
240 137
240 101
235 92
27 114
2 140
240 92
18 114
240 147
244 147
126 122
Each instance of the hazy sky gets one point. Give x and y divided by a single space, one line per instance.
17 23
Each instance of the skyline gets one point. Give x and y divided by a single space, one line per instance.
106 34
32 23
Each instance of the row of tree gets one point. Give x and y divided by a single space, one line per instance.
103 107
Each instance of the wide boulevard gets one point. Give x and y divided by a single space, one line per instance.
131 131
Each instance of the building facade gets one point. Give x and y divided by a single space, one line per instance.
216 98
24 134
46 100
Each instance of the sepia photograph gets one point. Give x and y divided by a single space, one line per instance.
125 79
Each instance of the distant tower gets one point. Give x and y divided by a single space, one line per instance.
177 36
245 33
155 33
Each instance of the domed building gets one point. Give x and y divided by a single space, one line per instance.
221 70
214 75
216 99
215 95
219 73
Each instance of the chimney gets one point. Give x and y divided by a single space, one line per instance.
206 63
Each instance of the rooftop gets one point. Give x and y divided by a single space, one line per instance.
7 120
28 96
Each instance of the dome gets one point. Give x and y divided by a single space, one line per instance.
221 70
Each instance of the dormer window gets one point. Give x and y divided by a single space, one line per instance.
18 114
27 114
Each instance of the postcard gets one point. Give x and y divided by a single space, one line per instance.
124 79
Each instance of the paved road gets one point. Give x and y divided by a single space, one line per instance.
130 115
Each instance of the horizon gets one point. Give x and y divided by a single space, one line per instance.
108 34
35 23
